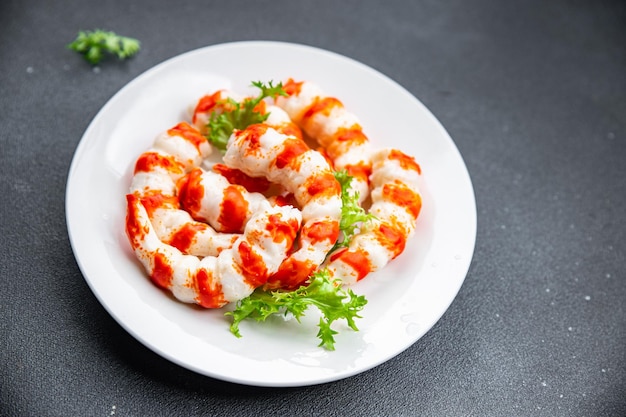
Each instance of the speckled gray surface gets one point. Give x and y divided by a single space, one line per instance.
533 94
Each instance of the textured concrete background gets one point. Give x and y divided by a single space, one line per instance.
533 94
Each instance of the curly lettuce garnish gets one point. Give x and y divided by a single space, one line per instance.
320 291
353 216
240 115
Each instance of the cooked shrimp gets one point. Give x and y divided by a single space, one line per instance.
337 131
396 203
261 151
214 281
238 177
156 172
216 102
279 120
210 198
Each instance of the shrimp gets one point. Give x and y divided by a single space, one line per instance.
262 151
155 178
208 104
227 199
214 281
396 203
337 131
279 120
221 101
210 198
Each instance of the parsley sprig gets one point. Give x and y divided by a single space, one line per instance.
353 216
238 115
95 45
331 299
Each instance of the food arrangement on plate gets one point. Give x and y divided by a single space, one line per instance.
297 205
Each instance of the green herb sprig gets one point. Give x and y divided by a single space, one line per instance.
95 45
240 115
353 216
332 300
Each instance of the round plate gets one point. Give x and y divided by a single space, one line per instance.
406 298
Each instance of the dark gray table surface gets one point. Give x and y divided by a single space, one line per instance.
533 94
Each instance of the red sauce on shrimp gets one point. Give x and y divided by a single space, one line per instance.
292 148
188 132
392 238
236 176
253 134
190 191
357 259
292 87
406 162
291 274
280 230
234 210
134 229
206 104
209 292
149 161
403 196
321 231
185 236
252 265
162 271
323 183
323 106
155 200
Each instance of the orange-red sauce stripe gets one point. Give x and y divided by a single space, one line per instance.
406 162
321 105
148 161
154 200
252 135
209 292
292 149
236 176
162 271
357 259
252 265
190 133
322 183
191 191
184 237
233 210
321 231
135 230
404 197
206 104
291 274
292 87
392 238
281 231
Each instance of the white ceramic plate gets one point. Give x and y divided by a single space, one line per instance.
405 299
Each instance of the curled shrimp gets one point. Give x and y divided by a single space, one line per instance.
214 281
174 153
336 130
262 151
209 104
210 198
396 204
222 100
